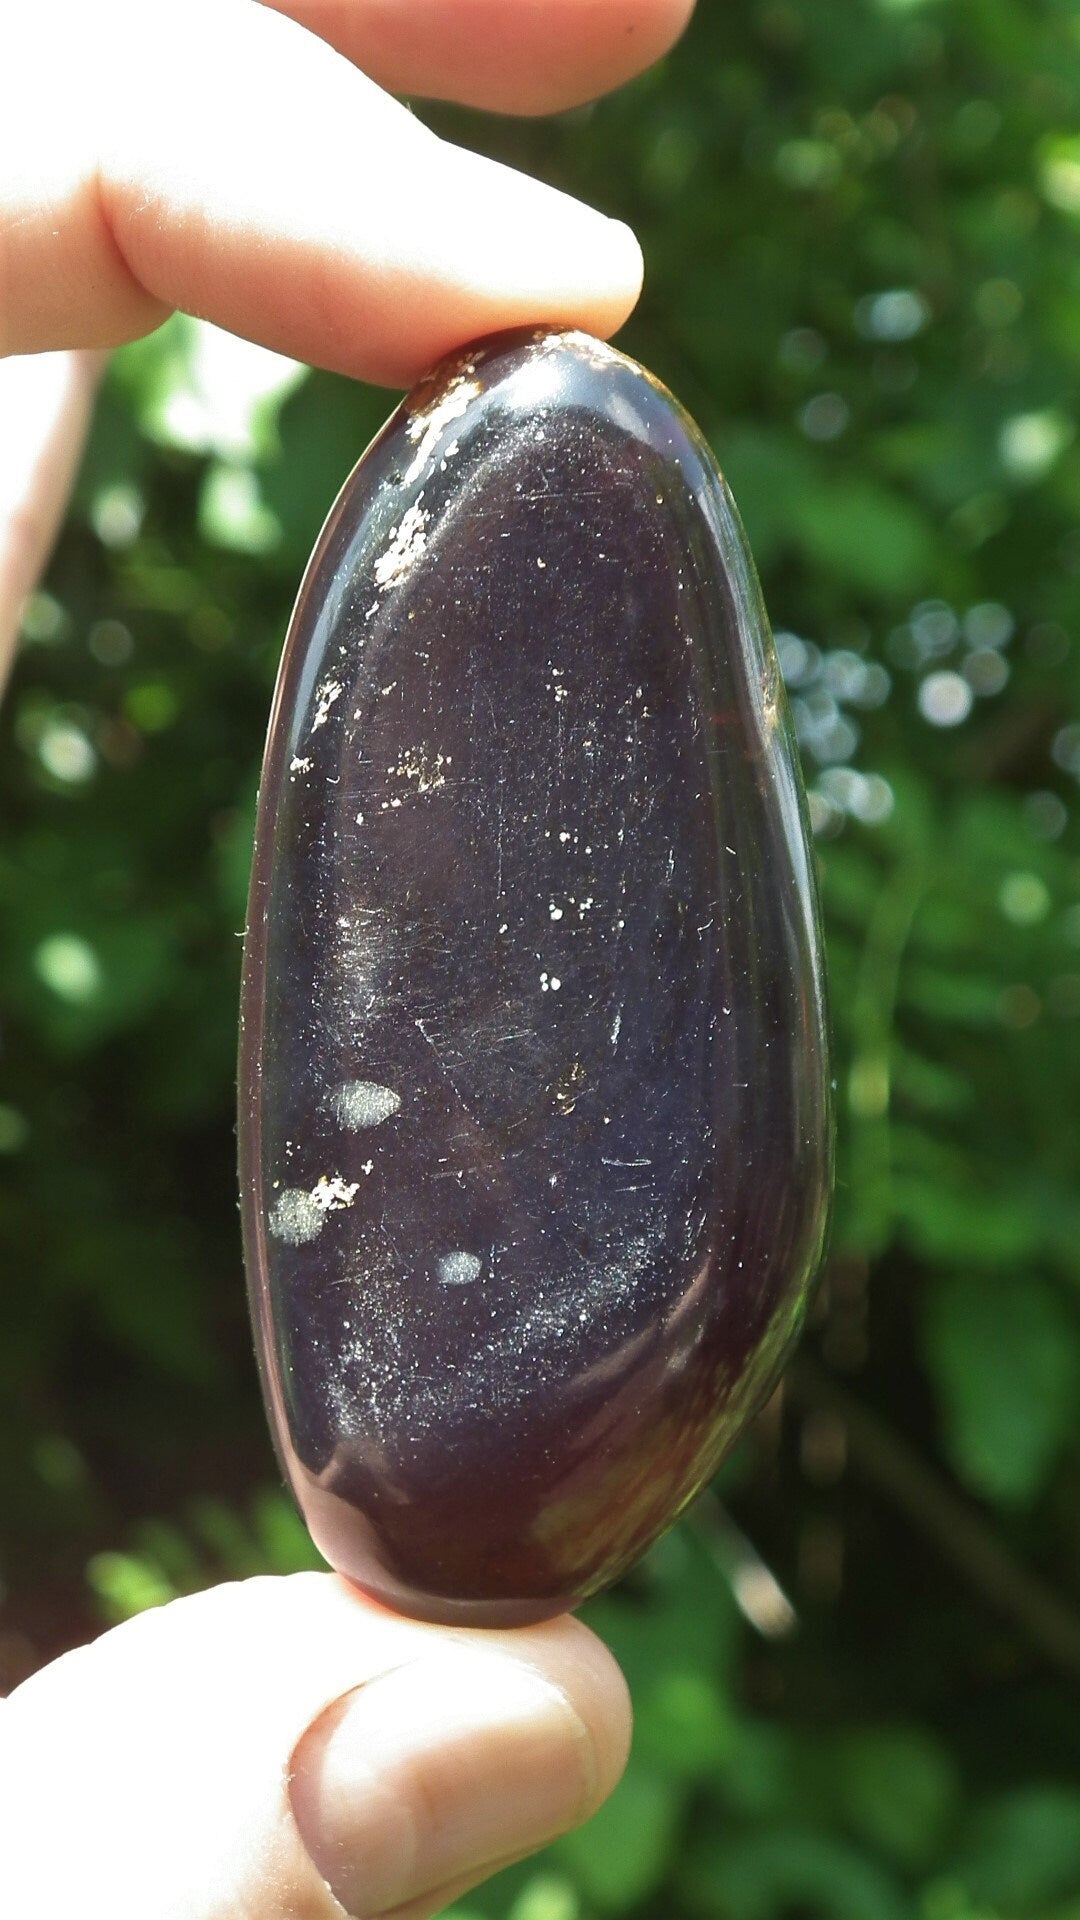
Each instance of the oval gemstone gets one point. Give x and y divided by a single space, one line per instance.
535 1120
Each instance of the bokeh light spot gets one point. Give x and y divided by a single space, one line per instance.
65 752
945 699
1024 899
69 966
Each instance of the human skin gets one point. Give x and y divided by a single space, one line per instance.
285 1747
274 188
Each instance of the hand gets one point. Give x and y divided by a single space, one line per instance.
226 159
283 1749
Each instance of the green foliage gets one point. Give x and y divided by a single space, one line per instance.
1024 1849
855 1695
165 1560
1003 1357
899 1789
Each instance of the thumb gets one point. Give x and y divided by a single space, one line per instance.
287 1748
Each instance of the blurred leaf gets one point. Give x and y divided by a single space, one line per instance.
126 1585
547 1896
762 1780
1002 1351
199 388
232 512
621 1855
683 1724
1024 1849
284 1543
786 1870
899 1789
874 540
233 857
928 1085
944 1222
323 429
769 474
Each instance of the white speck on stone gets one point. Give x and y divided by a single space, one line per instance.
330 1192
364 1103
406 544
297 765
555 912
596 353
324 700
458 1269
616 1028
295 1217
542 564
424 769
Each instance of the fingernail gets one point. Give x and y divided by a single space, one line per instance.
436 1771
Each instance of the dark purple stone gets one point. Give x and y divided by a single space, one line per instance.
535 1122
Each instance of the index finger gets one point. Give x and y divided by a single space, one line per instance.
245 172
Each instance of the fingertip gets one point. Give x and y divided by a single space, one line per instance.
589 1675
628 265
506 250
441 1769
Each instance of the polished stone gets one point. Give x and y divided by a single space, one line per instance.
535 1125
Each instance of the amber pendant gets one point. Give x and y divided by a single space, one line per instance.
535 1116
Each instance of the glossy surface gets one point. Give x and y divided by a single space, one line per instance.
535 1132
